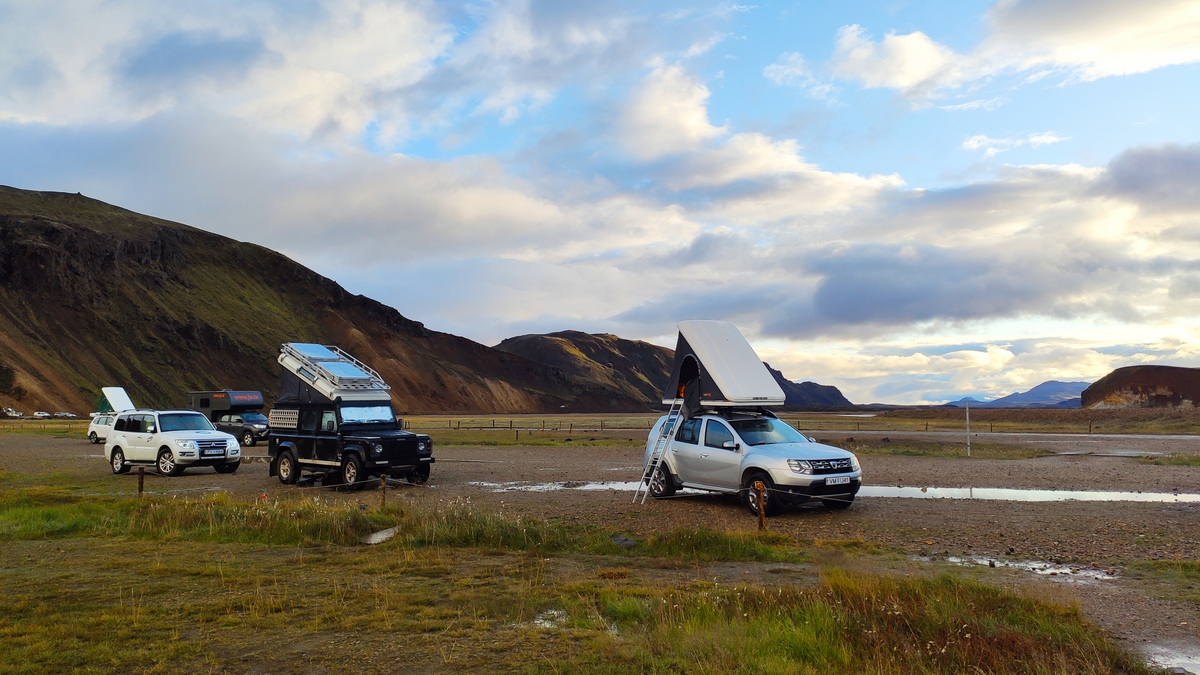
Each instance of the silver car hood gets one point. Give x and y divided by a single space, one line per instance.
799 451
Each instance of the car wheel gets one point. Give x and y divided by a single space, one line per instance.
166 463
286 469
93 437
661 484
248 439
352 472
228 467
419 475
118 461
770 505
839 503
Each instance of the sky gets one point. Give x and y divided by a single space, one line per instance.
911 201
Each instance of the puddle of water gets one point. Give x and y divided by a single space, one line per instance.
1003 494
1007 494
1171 658
1041 568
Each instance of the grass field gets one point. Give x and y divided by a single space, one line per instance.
207 584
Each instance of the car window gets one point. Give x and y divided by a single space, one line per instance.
122 424
767 431
225 418
689 431
184 422
716 434
309 419
328 421
255 418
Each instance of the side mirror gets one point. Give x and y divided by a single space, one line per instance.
811 439
730 445
149 428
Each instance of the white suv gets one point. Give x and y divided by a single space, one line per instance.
729 451
171 440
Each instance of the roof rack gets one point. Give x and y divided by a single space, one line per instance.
330 370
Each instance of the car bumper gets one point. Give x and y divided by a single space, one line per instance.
820 486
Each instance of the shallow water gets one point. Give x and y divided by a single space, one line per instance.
1001 494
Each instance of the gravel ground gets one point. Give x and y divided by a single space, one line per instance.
1085 537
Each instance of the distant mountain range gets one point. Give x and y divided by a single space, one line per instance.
1052 394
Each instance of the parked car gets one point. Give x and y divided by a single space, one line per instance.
41 415
66 415
250 427
728 451
172 440
100 426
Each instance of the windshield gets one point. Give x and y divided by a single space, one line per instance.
184 422
767 431
254 418
361 414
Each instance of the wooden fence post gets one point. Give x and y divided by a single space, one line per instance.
141 479
759 488
382 492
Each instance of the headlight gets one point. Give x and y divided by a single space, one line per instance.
421 446
233 445
377 448
854 463
185 443
800 466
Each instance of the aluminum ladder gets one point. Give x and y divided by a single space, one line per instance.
660 447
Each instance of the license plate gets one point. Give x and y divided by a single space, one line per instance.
839 480
217 452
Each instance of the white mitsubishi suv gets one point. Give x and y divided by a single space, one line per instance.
729 450
171 440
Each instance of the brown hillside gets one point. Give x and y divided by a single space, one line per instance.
628 367
92 295
1145 387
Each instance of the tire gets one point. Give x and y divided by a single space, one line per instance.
662 485
248 439
93 437
353 475
118 462
286 468
228 467
419 475
839 503
166 463
770 505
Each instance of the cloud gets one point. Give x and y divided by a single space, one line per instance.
1075 40
666 115
994 146
1157 178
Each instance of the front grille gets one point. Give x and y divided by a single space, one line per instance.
820 466
209 448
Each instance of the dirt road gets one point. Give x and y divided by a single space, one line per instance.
590 485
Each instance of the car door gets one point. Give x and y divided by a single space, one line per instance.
138 432
306 439
716 464
685 450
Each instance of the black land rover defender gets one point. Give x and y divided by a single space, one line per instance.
335 418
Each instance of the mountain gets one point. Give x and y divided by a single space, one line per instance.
809 394
635 368
1052 394
1145 387
639 368
93 295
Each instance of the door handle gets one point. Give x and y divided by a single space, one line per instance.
703 455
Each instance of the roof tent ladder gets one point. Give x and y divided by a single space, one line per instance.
660 450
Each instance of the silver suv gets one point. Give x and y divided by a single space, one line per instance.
729 451
171 440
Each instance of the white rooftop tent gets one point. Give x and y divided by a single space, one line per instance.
715 366
116 398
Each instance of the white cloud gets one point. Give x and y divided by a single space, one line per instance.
666 115
912 63
994 146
